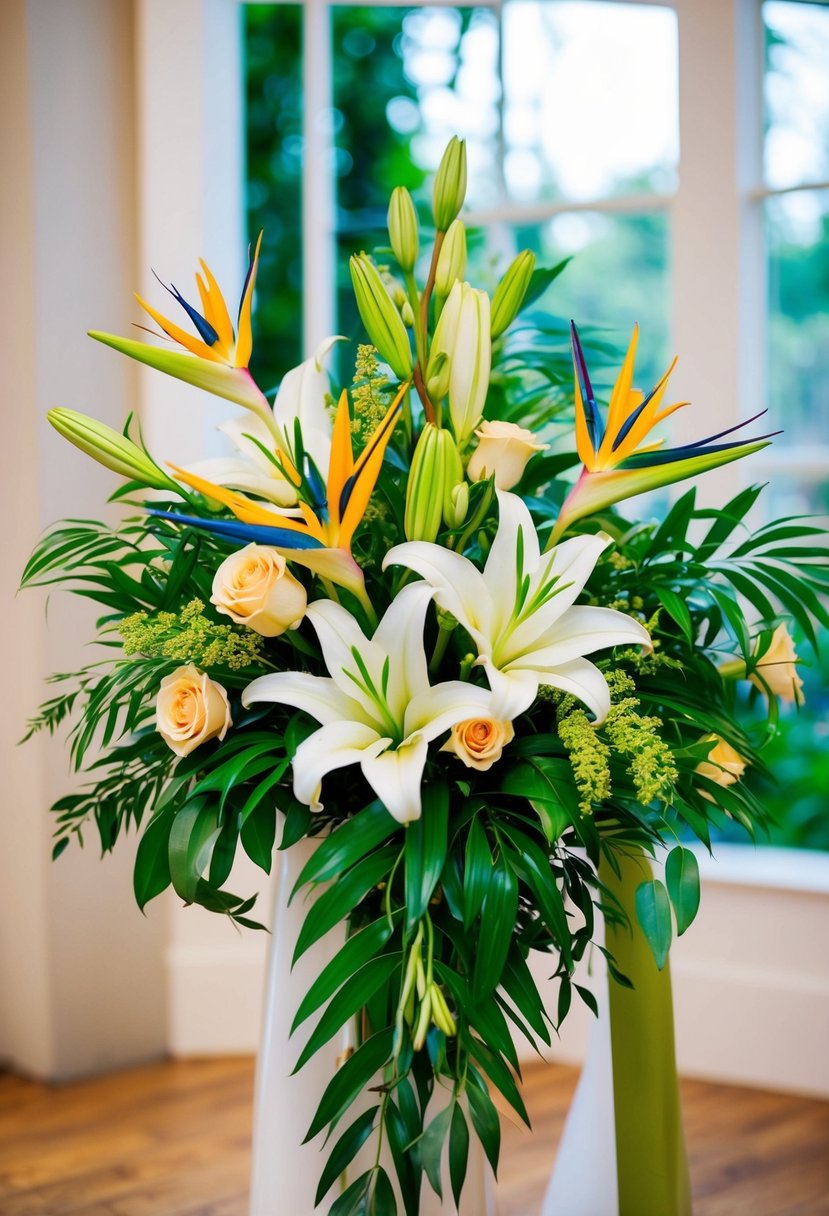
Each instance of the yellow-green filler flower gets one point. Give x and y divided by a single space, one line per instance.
617 462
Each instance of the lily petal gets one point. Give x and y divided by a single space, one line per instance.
458 585
438 708
582 630
333 746
395 776
236 474
318 696
400 633
340 638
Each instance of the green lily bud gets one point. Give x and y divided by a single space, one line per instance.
452 259
406 314
463 334
450 184
381 319
110 448
458 505
402 221
437 375
436 469
510 292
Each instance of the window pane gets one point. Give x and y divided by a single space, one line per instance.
618 275
798 322
273 48
797 92
590 99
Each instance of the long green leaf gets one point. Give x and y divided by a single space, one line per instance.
348 843
358 949
349 1080
427 843
151 874
458 1152
332 907
345 1150
194 831
356 992
476 871
500 909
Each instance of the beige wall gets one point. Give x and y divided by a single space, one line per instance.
81 976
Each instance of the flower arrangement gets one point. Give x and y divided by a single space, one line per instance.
401 583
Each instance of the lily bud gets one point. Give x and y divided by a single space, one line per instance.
458 505
436 469
437 375
406 314
110 448
510 292
402 221
452 258
450 184
463 334
381 319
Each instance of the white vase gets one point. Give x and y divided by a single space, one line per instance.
285 1172
583 1182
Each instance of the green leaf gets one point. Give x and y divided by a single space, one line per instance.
500 1075
345 1150
151 874
540 280
346 844
678 609
458 1152
682 880
547 784
258 835
342 897
383 1201
498 916
427 843
349 1080
476 871
354 1199
193 834
354 994
485 1121
653 911
520 987
358 949
431 1148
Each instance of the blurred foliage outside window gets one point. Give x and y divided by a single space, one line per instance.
547 122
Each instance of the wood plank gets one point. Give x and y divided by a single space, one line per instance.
173 1139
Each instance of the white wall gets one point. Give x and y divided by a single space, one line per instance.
81 977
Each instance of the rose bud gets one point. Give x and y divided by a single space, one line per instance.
479 742
190 709
776 670
504 450
255 588
724 765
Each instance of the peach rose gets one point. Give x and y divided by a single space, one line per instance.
504 450
190 709
254 588
479 742
777 669
724 765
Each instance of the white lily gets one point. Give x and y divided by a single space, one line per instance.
520 611
377 708
302 396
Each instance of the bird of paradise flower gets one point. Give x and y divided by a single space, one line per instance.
615 463
330 512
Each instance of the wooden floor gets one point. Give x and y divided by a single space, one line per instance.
172 1140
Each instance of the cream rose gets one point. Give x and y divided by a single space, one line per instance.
190 709
776 670
724 765
504 450
478 742
254 588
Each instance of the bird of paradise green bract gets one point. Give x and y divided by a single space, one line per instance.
617 462
218 354
330 510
